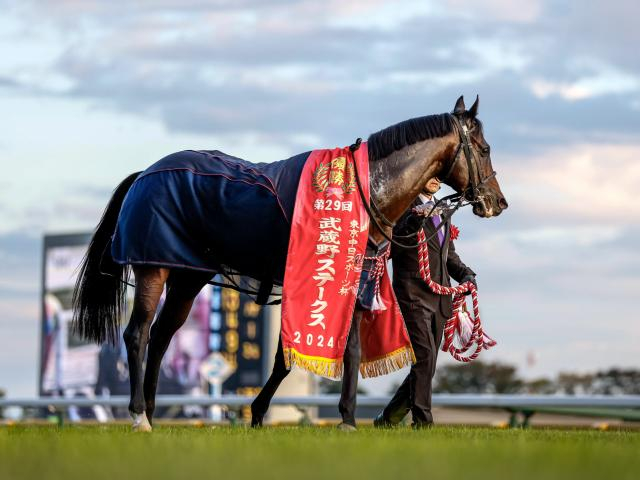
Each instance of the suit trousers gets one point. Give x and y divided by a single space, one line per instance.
425 329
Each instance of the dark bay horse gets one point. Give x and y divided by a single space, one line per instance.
401 145
181 221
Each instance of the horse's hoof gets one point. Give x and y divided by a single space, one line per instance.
345 427
141 422
256 421
256 418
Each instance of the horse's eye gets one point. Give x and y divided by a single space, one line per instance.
486 150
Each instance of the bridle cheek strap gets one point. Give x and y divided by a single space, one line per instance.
475 180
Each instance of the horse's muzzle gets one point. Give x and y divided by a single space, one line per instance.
489 205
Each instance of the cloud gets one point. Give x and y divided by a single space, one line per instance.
510 11
578 182
278 69
8 82
603 80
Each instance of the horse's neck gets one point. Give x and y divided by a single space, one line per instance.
397 179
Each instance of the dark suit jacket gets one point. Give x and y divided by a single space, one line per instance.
443 261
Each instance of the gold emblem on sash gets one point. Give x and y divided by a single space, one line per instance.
339 172
320 177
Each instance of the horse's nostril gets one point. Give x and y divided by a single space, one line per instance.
503 203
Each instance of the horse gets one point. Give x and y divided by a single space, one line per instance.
400 145
151 226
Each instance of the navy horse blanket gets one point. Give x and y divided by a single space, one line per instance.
209 211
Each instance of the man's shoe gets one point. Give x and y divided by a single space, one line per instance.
421 425
346 427
381 422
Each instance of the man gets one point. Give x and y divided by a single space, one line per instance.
425 312
365 300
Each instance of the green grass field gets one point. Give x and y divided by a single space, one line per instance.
305 453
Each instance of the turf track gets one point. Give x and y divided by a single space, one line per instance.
114 453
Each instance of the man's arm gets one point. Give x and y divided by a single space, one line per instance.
456 267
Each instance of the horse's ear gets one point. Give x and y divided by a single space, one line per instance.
473 111
459 108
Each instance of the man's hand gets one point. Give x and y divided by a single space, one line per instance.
427 209
414 222
469 278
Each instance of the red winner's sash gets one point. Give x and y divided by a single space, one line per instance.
327 244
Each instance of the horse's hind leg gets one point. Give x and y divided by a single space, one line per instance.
149 285
182 288
261 403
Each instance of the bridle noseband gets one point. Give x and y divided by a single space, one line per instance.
471 193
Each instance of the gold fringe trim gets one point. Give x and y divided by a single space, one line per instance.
388 363
325 367
333 368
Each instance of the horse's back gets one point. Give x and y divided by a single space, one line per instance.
208 210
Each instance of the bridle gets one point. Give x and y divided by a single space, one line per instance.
469 196
472 192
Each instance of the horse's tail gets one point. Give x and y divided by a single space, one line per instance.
100 293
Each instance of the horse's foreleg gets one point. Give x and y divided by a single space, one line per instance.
149 285
351 359
261 403
182 290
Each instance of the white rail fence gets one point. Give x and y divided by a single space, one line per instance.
521 407
443 400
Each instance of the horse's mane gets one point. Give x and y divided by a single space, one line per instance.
383 143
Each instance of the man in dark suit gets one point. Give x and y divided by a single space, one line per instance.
425 312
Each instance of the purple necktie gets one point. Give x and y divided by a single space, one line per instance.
436 222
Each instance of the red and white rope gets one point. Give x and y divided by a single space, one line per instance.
379 266
478 338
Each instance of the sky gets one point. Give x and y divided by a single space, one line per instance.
91 91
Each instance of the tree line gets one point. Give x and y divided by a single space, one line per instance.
480 377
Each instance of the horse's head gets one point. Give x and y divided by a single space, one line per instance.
470 171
